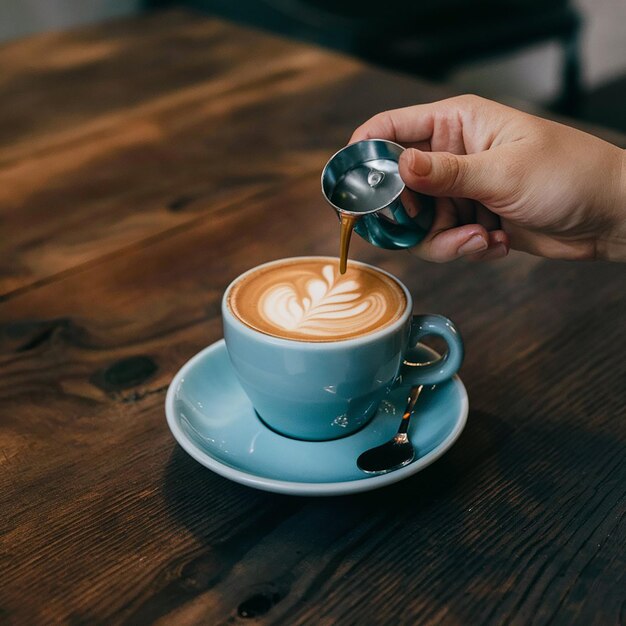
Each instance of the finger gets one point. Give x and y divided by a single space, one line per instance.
499 246
492 254
499 236
410 201
447 174
410 124
421 121
450 244
418 145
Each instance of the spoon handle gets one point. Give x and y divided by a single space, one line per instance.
412 399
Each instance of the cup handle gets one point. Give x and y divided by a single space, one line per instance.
441 369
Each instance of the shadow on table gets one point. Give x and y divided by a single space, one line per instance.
195 494
258 549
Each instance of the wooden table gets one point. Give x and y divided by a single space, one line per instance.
143 165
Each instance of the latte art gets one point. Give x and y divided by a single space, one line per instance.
326 306
309 300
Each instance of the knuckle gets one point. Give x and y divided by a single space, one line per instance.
382 124
452 170
469 100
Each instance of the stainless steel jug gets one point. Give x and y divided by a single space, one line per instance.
362 180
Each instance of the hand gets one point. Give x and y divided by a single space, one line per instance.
504 179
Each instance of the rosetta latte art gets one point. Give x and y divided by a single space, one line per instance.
307 299
324 306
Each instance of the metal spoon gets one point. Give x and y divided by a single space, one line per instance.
397 452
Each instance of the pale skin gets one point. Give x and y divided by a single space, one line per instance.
506 179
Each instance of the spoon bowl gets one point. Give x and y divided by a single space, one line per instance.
396 452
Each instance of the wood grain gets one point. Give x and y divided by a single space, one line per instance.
105 520
129 155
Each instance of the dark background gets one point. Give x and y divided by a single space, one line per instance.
440 39
568 56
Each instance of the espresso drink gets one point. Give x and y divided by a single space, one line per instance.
348 222
308 300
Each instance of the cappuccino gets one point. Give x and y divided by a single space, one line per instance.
307 299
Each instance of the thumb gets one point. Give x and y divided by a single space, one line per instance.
446 174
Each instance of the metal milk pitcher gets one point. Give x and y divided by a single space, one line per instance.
362 180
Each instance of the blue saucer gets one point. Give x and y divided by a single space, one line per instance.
212 419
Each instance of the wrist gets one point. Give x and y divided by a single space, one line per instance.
611 244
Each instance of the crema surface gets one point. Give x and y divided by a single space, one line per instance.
309 300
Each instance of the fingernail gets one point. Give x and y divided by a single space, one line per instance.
476 243
419 162
498 251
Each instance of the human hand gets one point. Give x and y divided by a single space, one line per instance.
504 178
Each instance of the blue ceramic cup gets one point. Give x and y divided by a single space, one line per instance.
325 390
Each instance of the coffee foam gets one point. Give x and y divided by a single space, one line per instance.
309 300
